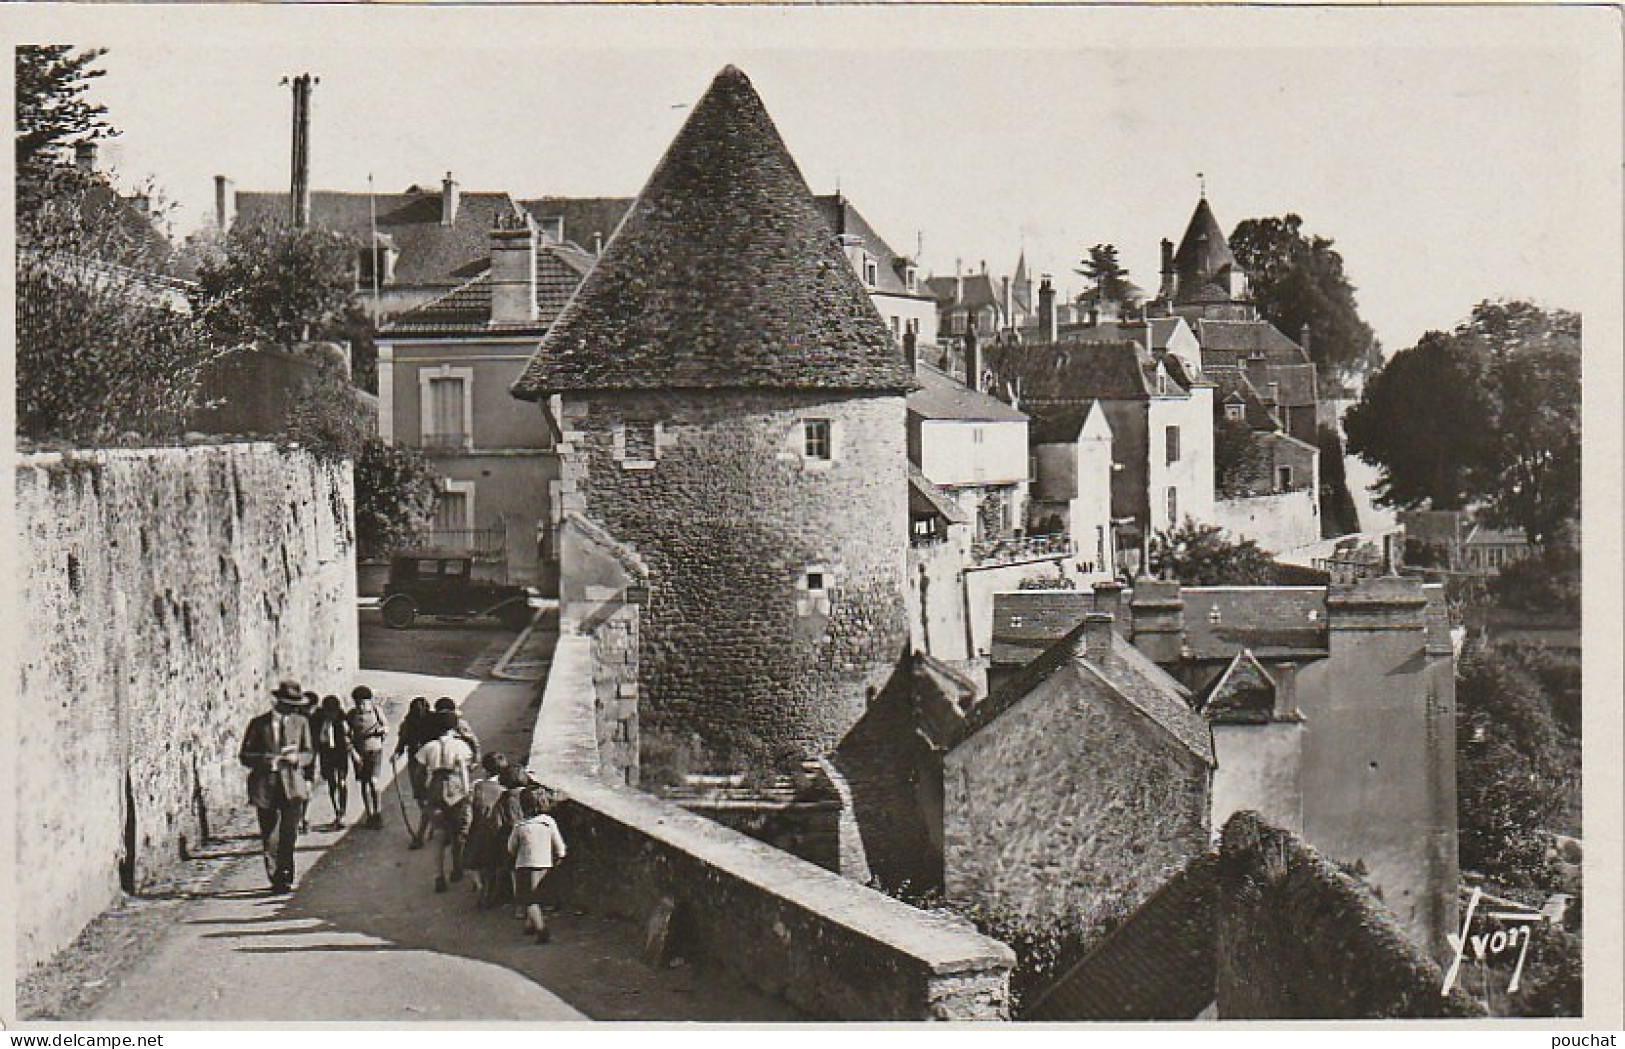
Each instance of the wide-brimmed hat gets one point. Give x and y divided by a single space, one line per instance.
289 693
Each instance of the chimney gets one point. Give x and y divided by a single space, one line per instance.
597 243
1158 611
299 190
910 347
959 282
513 271
225 203
973 357
1048 326
984 267
1009 303
1109 600
1097 636
1384 603
1169 281
450 197
84 157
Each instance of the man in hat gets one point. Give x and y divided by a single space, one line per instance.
276 750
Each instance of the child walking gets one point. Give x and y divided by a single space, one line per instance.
486 854
536 846
332 732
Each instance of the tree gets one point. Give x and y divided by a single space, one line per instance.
1204 555
1512 770
1489 413
53 110
1298 280
278 284
395 492
1110 279
1424 420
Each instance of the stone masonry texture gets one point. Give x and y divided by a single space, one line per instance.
729 519
164 593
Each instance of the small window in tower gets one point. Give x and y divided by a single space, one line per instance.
818 444
815 582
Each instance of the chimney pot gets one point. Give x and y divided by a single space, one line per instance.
225 202
84 156
513 273
1048 324
450 198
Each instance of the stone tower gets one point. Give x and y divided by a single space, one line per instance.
732 408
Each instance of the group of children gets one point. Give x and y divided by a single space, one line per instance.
346 738
493 817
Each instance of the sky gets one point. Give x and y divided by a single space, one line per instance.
1452 155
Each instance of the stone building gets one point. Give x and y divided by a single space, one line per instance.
892 280
1332 707
731 407
444 369
1075 788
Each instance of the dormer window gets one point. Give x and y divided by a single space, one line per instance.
911 278
871 272
1235 412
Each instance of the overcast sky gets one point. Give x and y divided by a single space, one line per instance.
1452 155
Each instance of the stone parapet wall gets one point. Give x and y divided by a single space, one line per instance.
830 947
164 592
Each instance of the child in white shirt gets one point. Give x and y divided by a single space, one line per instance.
536 846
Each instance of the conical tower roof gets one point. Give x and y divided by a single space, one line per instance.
723 275
1204 250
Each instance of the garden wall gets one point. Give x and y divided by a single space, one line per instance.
164 592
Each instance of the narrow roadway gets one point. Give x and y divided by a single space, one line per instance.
366 938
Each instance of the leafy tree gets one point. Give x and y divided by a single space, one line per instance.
1204 555
1552 983
1297 280
53 108
1512 773
278 284
1109 277
1424 420
395 492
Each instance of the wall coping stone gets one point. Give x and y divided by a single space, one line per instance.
564 756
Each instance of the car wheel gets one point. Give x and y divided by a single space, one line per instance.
399 612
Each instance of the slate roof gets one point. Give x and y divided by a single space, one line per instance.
979 291
1223 341
1057 382
843 218
1203 249
467 309
1235 388
722 276
943 397
1275 622
430 253
1160 964
1126 672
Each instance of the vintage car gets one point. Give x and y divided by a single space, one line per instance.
443 585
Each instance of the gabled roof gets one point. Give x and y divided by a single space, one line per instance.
1125 673
1223 341
943 397
1274 622
1203 250
467 309
722 276
1055 383
430 253
1244 694
1235 388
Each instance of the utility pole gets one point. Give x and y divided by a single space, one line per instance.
299 182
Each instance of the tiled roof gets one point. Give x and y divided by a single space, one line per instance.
941 695
467 309
926 498
1126 673
1223 341
722 276
1160 964
430 254
1162 330
581 217
1027 622
1203 249
979 290
1056 383
1234 387
1272 621
941 396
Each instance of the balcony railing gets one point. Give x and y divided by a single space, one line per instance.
1021 548
484 543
